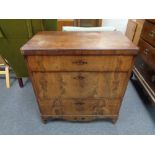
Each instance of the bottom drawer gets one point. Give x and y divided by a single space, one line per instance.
80 107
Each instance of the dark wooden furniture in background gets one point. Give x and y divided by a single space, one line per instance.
88 22
134 29
79 76
65 22
79 22
144 68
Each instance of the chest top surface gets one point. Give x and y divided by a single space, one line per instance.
49 42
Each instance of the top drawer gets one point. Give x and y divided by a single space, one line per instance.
79 63
148 32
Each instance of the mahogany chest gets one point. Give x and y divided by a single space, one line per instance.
79 76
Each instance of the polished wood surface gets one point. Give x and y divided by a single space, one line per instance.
60 42
79 87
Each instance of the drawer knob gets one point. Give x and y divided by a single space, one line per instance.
80 62
79 103
79 77
146 51
152 34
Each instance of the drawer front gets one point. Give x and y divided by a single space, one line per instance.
147 52
148 32
79 63
79 84
79 107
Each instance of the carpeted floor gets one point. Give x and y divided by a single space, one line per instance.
19 115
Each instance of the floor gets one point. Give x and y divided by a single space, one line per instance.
19 114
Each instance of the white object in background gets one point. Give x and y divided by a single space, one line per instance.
74 28
119 24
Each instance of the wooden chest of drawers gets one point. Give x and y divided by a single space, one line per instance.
79 76
145 63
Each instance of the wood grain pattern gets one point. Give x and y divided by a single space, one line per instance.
80 63
63 42
79 84
71 86
83 107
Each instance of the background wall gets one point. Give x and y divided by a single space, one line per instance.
119 24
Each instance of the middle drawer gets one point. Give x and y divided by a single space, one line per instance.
80 84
